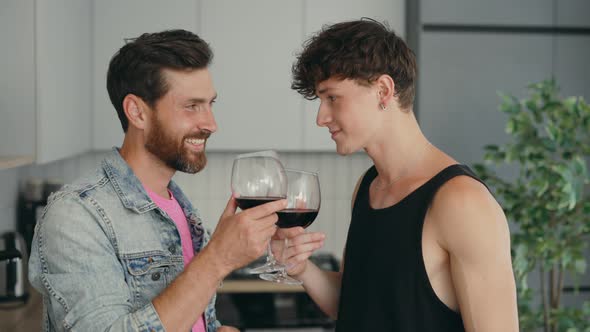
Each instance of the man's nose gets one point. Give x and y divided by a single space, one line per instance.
208 121
323 116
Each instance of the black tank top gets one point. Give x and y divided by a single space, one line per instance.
384 284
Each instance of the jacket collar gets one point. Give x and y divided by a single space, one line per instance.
132 193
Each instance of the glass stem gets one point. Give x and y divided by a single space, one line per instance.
283 270
270 258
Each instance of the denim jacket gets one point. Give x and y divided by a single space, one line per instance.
103 250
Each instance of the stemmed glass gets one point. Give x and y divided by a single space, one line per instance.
259 178
303 205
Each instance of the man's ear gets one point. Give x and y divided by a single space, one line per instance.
135 111
385 89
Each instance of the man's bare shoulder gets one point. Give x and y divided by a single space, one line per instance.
465 214
464 190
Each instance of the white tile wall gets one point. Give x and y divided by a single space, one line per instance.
209 190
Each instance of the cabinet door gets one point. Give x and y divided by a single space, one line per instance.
320 13
113 22
572 68
17 80
63 78
483 12
459 78
254 44
573 13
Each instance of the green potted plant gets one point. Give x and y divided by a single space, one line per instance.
548 201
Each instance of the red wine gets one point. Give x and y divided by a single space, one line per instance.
246 202
296 217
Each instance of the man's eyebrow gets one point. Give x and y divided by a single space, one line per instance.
201 100
324 90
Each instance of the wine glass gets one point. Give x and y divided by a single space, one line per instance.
303 205
259 178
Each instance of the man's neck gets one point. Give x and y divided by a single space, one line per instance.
150 171
399 149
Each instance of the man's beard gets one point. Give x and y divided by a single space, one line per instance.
173 154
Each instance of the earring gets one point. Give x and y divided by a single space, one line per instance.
382 106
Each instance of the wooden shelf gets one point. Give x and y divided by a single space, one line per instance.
15 161
257 286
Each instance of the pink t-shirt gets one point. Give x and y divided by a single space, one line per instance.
173 209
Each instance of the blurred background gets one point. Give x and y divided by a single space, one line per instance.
56 121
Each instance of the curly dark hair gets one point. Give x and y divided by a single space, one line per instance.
361 50
137 67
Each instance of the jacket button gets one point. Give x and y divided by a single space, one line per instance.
172 249
156 276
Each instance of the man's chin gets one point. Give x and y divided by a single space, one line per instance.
343 150
194 164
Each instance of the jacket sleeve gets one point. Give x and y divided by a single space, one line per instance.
213 323
74 266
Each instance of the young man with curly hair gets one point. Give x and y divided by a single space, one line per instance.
428 247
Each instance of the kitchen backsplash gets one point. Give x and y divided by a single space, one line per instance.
209 190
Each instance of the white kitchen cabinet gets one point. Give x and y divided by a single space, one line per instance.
17 83
45 81
320 13
254 44
113 22
63 58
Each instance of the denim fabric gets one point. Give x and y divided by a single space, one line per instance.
103 250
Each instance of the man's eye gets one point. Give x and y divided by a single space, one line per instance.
331 98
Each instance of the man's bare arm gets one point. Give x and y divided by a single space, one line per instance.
472 227
322 286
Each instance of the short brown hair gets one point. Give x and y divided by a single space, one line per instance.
137 67
361 50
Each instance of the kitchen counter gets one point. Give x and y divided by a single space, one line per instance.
26 318
257 286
